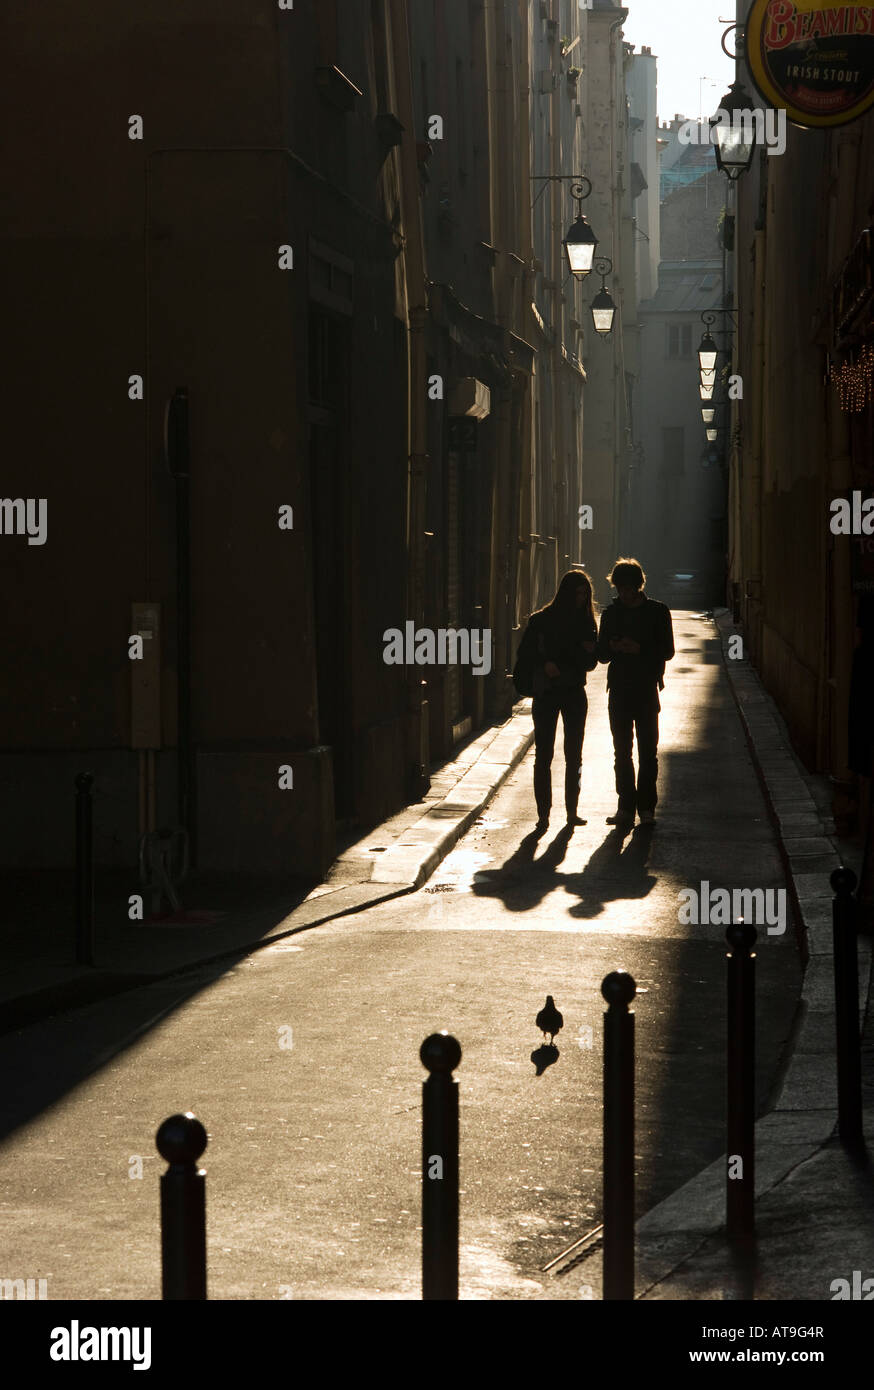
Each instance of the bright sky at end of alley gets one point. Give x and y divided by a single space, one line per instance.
685 36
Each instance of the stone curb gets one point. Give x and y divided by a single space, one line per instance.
416 854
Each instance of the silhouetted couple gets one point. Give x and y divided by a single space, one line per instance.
561 644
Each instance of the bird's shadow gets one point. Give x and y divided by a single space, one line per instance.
544 1056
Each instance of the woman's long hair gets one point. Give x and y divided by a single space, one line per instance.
562 611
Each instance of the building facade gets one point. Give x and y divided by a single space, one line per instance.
230 223
319 372
804 275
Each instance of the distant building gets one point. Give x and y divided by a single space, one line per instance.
678 506
644 154
610 363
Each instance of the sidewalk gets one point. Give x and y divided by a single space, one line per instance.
811 1195
223 915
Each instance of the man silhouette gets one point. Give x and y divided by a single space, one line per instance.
636 638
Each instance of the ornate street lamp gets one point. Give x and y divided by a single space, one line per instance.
733 132
707 352
580 241
603 307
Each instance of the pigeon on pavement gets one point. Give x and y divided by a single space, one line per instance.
549 1020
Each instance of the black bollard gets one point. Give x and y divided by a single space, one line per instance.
740 1189
849 1060
84 870
619 990
181 1140
440 1054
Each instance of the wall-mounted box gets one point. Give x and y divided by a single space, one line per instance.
145 677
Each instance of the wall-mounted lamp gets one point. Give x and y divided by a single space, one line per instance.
580 242
603 307
735 132
707 352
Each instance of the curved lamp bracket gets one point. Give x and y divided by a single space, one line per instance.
709 316
740 36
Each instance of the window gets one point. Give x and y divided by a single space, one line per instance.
328 350
330 277
679 340
673 452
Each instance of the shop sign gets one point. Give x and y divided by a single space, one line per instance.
813 59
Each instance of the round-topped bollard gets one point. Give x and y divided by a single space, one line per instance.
845 930
741 935
618 987
843 882
84 781
440 1053
740 1094
181 1139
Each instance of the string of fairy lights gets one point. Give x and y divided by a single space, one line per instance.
854 381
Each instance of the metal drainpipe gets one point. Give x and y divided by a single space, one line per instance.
417 314
179 460
522 546
753 619
838 614
558 209
618 362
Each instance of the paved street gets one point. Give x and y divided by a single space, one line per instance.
313 1160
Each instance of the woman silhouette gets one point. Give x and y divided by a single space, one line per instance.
556 652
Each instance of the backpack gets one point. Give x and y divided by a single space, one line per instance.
527 678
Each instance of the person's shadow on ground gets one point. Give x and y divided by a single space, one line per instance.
613 872
617 870
522 881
